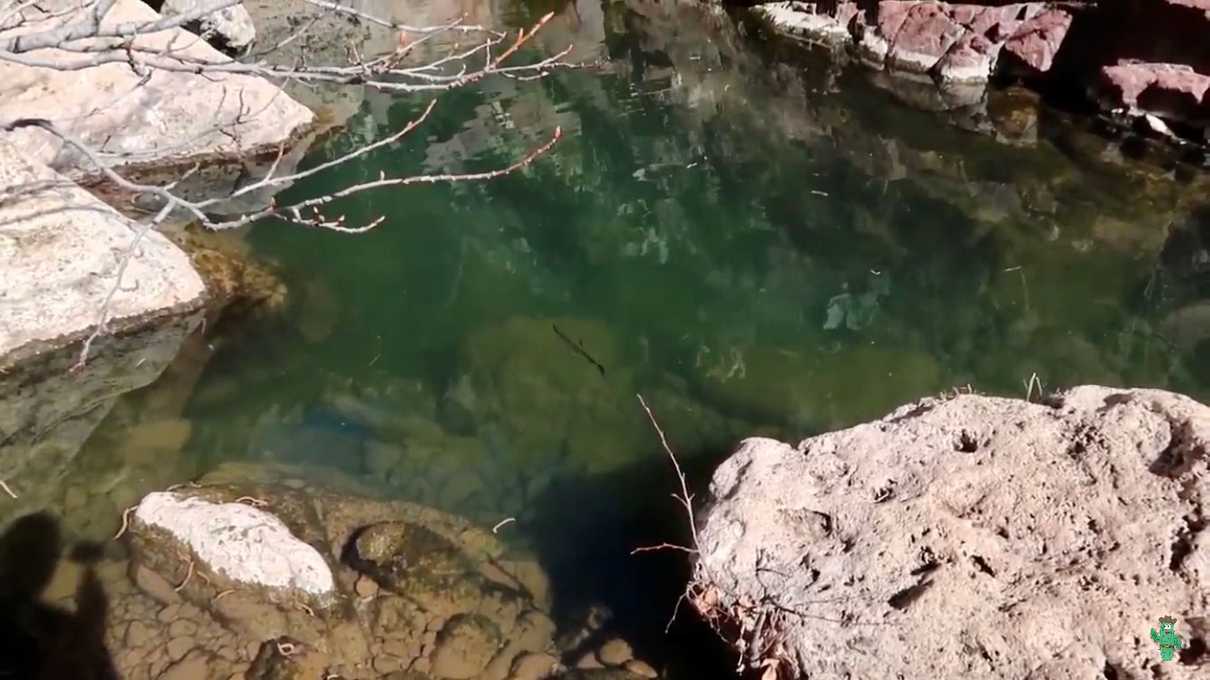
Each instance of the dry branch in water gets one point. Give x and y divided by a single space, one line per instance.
81 40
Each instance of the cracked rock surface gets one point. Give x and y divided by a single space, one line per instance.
258 573
969 537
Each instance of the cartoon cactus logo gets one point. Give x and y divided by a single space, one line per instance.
1167 638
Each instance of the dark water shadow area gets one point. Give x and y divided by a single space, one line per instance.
587 534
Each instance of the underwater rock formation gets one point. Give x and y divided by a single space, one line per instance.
968 537
260 573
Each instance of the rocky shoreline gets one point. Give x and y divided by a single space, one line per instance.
1095 55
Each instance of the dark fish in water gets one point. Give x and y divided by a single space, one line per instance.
578 348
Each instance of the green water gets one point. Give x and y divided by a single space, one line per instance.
756 245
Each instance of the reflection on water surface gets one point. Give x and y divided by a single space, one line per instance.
756 243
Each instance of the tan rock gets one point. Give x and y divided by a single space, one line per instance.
615 652
170 434
178 647
169 119
196 666
182 628
589 661
138 634
155 586
640 668
365 586
533 666
465 646
63 581
941 510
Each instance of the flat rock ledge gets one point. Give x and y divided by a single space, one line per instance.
175 118
59 252
969 537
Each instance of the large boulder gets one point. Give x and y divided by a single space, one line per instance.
969 537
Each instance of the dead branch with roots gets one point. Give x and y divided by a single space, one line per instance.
78 38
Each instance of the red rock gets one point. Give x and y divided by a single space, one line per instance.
891 15
925 36
1170 91
999 23
1038 39
971 59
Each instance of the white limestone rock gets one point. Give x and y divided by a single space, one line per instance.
59 256
243 543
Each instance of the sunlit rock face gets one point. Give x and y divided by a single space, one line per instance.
1011 517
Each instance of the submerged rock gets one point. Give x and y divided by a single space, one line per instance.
562 396
301 581
963 537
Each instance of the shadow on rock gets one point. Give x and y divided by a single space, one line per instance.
39 641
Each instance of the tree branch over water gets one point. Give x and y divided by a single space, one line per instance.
74 35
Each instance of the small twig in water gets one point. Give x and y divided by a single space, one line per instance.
686 499
223 594
662 546
502 522
125 522
188 576
1029 387
578 348
7 490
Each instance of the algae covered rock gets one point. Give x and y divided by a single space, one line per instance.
266 554
804 388
982 527
556 390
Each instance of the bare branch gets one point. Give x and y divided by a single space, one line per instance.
80 38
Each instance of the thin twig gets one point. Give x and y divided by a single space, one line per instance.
125 521
7 490
188 575
686 499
